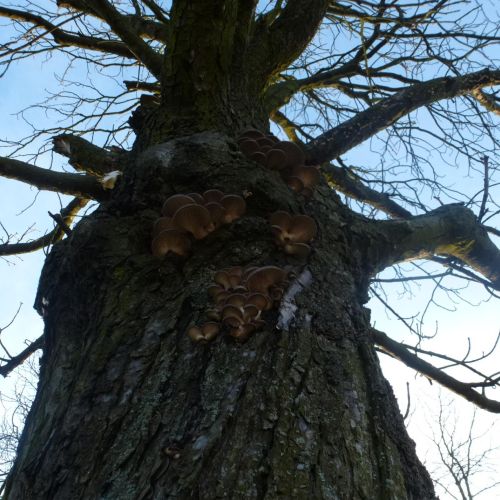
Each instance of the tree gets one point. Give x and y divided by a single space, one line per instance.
296 406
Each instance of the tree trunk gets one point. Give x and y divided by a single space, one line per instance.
128 407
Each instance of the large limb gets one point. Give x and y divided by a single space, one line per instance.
277 44
463 389
67 215
85 156
451 231
13 362
367 123
83 186
65 38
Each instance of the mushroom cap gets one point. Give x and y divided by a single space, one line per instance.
252 133
235 207
294 155
259 157
194 219
297 249
213 195
295 184
276 159
210 330
174 202
197 198
242 332
248 147
195 334
162 224
259 300
302 228
265 141
213 314
308 175
236 300
222 278
263 278
217 212
171 240
250 312
281 219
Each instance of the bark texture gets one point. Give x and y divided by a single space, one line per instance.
129 408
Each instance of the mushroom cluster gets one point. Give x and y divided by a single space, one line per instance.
240 296
284 156
293 232
193 214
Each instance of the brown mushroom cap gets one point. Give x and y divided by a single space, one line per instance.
195 334
197 198
295 183
162 224
294 155
248 147
213 195
210 330
171 240
302 228
308 175
297 249
265 141
259 157
173 203
242 332
194 219
235 207
276 159
263 278
252 133
217 212
236 300
281 219
259 300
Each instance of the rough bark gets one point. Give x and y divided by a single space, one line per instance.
128 407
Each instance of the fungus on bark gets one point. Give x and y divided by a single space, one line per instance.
293 232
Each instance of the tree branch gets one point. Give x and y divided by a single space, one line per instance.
85 156
17 360
280 43
486 100
341 180
64 38
123 27
396 350
143 27
451 230
83 186
279 94
67 215
367 123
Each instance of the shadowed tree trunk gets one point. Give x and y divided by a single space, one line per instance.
128 407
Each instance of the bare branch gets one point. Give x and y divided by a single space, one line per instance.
367 123
17 360
396 350
124 28
344 181
85 156
67 215
64 38
83 186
